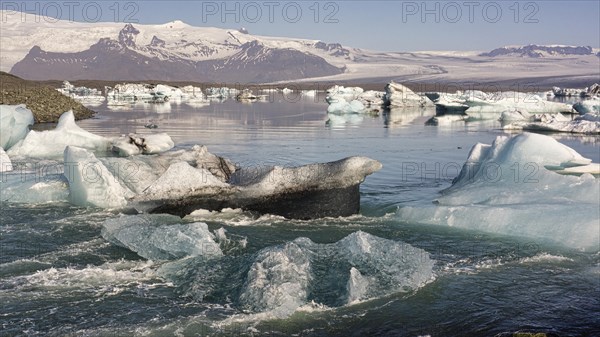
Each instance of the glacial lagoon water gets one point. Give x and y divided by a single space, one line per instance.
71 271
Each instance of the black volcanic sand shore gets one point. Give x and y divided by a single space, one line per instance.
46 103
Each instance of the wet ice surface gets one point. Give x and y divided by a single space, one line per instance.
62 272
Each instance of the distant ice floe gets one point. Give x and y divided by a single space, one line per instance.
400 96
480 105
584 124
528 185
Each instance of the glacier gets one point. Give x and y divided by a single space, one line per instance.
14 124
516 187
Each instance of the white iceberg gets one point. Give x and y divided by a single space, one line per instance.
5 163
513 187
586 124
398 95
90 182
14 124
490 105
353 100
345 107
514 115
142 144
52 143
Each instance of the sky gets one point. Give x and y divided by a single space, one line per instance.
375 25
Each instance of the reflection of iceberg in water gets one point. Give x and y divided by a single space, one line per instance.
341 121
404 116
512 188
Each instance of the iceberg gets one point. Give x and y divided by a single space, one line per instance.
481 105
181 182
345 107
14 124
5 163
305 192
398 95
513 187
514 115
585 124
90 182
52 143
344 100
588 106
136 144
161 237
357 268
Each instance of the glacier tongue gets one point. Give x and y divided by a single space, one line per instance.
512 187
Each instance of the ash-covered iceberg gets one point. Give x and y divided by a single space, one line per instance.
181 182
135 144
14 124
521 186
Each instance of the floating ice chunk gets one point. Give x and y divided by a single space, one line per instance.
90 182
512 188
397 95
343 173
357 286
359 267
148 144
286 91
336 120
181 179
278 280
309 93
446 119
21 187
14 124
344 107
384 266
586 124
5 163
588 106
160 237
52 144
514 115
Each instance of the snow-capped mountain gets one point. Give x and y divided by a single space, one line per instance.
124 58
40 49
533 50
